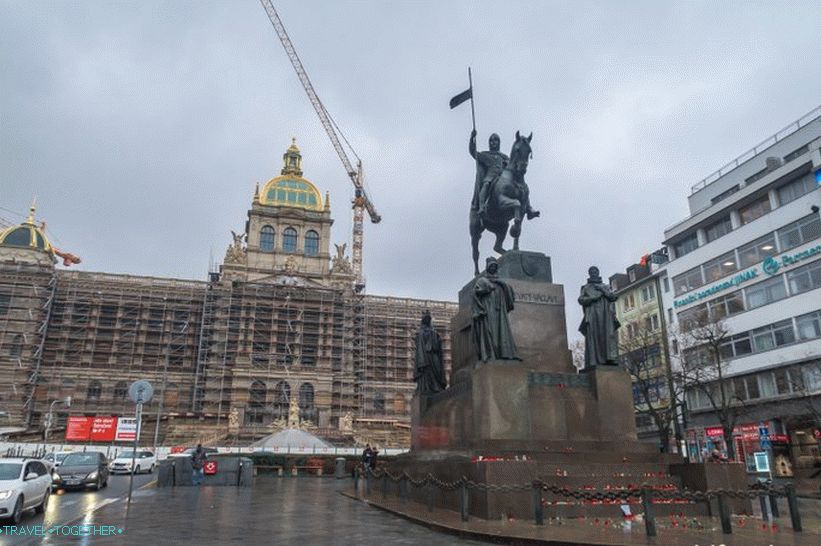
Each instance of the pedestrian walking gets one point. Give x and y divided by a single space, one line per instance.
197 463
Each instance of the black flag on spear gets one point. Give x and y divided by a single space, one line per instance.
461 97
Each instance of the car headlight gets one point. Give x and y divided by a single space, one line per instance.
92 475
56 476
6 494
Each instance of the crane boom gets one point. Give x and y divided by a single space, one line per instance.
361 199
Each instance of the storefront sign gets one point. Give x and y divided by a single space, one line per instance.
770 266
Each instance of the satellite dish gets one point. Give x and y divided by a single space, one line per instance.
140 391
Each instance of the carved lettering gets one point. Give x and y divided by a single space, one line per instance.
540 299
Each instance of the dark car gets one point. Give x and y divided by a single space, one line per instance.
83 469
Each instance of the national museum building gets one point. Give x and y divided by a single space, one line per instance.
749 256
281 319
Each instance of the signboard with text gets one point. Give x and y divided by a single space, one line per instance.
94 429
126 429
78 429
102 429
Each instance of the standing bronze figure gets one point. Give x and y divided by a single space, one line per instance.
492 301
599 325
500 194
429 373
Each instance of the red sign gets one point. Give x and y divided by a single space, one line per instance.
78 429
714 432
103 429
210 467
178 449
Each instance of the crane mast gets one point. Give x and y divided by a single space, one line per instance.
361 202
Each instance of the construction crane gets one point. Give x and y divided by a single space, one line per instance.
361 202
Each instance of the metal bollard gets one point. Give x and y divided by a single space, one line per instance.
763 501
403 488
538 508
384 485
792 503
724 514
356 481
367 482
174 473
430 497
463 502
649 516
774 506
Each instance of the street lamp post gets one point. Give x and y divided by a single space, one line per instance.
50 415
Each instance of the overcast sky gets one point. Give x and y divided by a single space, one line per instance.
142 127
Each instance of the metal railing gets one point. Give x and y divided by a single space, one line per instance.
645 494
755 150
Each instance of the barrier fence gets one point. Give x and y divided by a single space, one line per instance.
647 495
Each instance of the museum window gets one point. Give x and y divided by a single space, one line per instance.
805 278
720 267
257 395
765 292
379 402
799 232
689 280
120 391
16 347
267 239
95 388
796 188
307 410
718 229
755 210
282 399
809 325
686 245
311 243
757 251
289 238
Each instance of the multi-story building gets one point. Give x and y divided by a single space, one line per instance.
748 259
281 318
643 352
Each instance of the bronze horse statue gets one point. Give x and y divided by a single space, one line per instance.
508 199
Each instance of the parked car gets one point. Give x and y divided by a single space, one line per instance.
56 457
83 469
24 484
143 462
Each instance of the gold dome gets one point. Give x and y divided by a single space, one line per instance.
26 235
291 189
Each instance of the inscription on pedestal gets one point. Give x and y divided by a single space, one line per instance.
566 379
539 299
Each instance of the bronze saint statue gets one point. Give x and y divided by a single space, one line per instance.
599 325
500 194
429 373
492 301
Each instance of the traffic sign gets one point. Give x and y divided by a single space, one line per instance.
140 392
210 467
765 442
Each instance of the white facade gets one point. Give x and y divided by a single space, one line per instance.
751 252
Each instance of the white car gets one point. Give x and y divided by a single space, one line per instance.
143 462
56 457
24 484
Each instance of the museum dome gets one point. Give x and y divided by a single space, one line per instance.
26 235
291 189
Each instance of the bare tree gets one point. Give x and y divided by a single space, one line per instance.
703 339
643 357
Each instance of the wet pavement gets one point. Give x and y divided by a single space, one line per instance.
312 511
308 511
71 507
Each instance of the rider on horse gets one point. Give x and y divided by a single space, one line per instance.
489 166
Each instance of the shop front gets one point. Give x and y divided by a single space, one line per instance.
708 444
